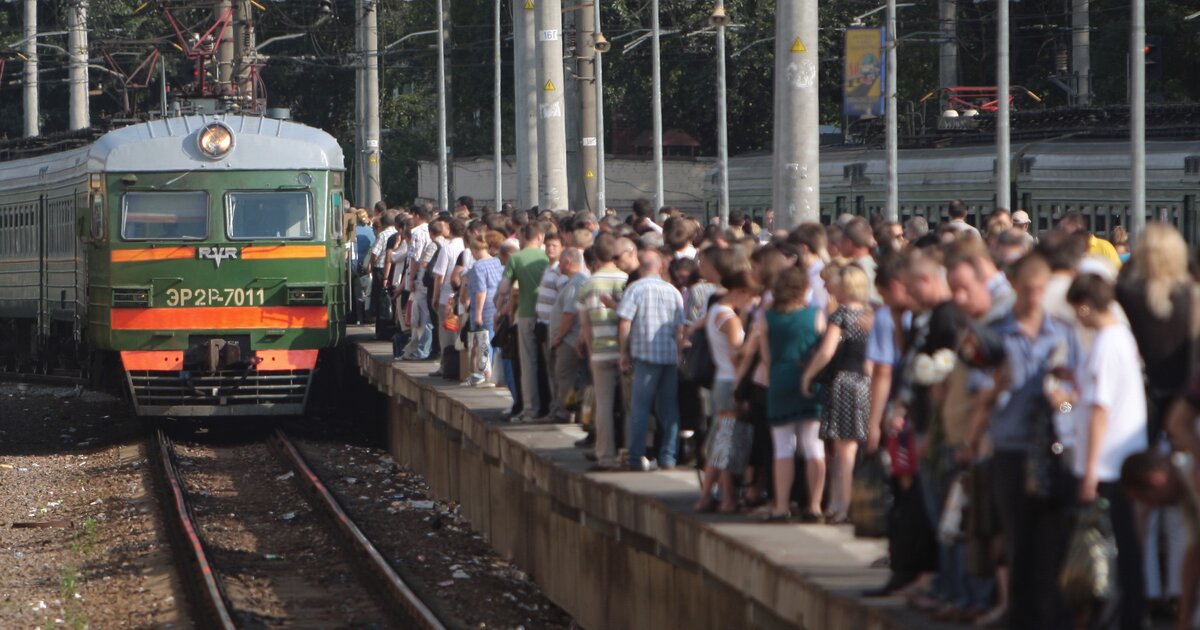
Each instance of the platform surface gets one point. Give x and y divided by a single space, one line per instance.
804 575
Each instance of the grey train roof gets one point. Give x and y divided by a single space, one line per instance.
169 144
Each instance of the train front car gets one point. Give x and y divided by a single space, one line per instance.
218 275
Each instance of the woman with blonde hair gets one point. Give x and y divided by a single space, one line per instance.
839 365
1155 291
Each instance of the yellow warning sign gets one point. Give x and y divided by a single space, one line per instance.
590 174
529 4
549 86
798 46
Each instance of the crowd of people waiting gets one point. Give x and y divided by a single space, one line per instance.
999 383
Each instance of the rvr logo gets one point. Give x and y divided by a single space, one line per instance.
217 254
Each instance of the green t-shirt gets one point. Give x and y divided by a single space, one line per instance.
526 268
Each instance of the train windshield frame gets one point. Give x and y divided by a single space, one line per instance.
164 215
269 215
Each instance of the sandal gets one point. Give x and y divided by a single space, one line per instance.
772 517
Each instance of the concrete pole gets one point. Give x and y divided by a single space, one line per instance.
77 51
796 177
245 54
585 57
224 50
497 129
32 126
1003 179
552 134
1137 119
443 145
660 197
948 48
1081 59
598 69
525 90
360 117
371 104
722 132
891 208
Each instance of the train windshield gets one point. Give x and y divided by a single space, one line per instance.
164 215
276 214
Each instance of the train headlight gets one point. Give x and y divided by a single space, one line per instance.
215 140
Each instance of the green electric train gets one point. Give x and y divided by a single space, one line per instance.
200 259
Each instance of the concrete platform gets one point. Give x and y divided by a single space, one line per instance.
620 550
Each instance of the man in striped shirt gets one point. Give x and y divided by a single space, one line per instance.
552 281
598 339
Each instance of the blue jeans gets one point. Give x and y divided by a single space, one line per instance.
953 583
658 384
510 381
421 344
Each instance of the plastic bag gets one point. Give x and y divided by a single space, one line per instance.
1090 571
950 525
870 498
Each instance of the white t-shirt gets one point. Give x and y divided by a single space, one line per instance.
443 265
718 343
1111 377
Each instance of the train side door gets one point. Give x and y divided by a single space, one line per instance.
43 273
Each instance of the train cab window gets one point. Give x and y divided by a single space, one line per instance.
164 215
270 215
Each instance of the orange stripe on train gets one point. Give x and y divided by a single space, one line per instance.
172 360
220 318
263 252
152 253
250 252
158 360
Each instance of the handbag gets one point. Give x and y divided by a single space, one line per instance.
698 366
503 332
477 354
452 322
871 498
1046 474
745 385
1089 572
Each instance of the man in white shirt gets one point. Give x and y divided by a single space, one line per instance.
443 264
419 345
377 261
1110 425
958 217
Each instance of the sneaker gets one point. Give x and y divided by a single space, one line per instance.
484 384
586 441
643 464
436 373
523 418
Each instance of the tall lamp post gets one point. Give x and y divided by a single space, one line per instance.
660 198
1137 119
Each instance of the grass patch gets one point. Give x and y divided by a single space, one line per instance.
87 537
68 588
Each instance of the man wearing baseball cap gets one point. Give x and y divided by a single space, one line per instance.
1021 221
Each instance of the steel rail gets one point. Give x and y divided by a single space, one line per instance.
206 586
390 583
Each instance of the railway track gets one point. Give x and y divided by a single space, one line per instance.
297 571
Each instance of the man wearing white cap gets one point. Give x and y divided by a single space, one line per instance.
1021 221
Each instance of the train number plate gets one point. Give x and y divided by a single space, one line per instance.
215 297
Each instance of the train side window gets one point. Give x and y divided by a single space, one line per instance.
335 217
164 215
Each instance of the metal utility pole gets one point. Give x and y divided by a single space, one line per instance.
77 51
719 20
948 48
1081 59
797 135
224 51
525 103
443 144
660 198
892 204
552 133
585 64
1003 178
497 129
1137 119
31 70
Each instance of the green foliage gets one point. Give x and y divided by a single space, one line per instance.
314 74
